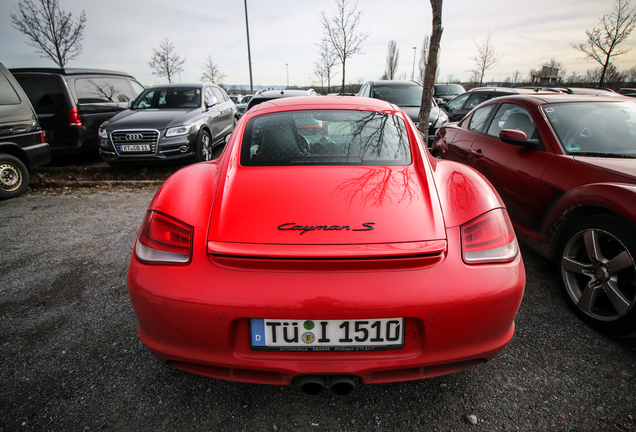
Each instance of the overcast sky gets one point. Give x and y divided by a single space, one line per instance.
121 35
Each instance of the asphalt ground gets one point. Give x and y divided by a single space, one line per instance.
71 359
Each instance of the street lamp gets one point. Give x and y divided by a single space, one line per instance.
413 73
287 64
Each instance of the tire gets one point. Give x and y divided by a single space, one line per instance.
204 147
598 270
14 177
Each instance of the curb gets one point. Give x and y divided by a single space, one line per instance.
92 183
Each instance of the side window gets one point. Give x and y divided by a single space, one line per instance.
208 94
476 99
479 118
512 116
364 90
220 94
457 103
8 96
137 88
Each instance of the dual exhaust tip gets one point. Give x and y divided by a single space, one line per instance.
339 384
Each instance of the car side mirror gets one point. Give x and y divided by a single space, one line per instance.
517 137
210 101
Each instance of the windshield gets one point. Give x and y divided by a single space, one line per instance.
169 97
400 95
595 128
325 137
449 89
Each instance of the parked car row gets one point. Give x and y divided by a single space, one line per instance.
565 166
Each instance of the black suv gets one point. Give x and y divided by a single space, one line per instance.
22 143
169 123
462 104
72 103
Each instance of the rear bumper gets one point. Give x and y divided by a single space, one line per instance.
39 154
196 316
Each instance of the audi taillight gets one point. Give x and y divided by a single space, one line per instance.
489 238
74 118
164 240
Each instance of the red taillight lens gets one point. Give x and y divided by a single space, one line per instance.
42 137
164 240
489 238
73 117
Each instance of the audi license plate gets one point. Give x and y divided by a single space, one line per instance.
134 148
326 335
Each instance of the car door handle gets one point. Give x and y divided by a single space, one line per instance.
478 153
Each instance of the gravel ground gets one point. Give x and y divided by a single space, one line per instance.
72 361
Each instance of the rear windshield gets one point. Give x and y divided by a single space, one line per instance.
325 137
449 89
45 93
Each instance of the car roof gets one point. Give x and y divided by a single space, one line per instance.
380 83
509 90
70 71
330 102
179 85
543 98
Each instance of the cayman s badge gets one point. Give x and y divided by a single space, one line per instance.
293 226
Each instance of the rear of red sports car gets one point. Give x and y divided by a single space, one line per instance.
334 256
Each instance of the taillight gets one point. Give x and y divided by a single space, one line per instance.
489 238
42 137
73 117
164 240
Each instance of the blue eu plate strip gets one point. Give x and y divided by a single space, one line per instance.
257 331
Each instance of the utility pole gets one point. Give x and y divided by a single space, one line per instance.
249 55
413 73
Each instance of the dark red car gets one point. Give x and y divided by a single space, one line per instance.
565 167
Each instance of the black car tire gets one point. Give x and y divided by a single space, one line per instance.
598 270
204 146
14 177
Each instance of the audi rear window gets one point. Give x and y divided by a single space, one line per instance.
325 137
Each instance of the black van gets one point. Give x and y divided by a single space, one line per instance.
22 144
71 103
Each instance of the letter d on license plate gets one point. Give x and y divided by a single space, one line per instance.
326 335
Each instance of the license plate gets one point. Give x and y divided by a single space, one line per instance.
326 335
134 148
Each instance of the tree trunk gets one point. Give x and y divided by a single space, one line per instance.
431 68
343 78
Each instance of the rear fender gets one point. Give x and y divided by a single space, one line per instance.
464 193
188 194
618 198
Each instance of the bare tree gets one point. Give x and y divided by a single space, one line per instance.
211 72
423 58
605 42
165 61
50 30
323 67
487 57
431 68
392 60
341 33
